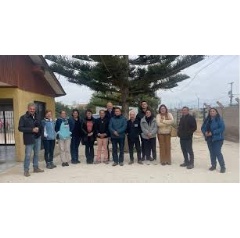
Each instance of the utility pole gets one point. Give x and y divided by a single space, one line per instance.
230 93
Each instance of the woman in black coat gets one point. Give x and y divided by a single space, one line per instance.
89 135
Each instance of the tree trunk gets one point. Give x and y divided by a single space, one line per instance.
125 98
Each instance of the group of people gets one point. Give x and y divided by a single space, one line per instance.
141 131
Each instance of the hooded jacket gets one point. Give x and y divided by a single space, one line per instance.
216 126
150 127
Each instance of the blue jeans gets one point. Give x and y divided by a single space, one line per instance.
75 142
215 152
28 151
49 146
115 142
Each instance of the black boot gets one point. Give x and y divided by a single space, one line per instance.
212 168
190 166
184 164
222 170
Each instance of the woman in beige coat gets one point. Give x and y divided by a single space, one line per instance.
164 122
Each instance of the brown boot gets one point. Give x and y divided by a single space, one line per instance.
37 170
26 173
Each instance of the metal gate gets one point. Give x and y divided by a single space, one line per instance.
6 123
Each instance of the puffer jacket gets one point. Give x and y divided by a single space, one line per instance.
148 128
119 124
217 128
164 127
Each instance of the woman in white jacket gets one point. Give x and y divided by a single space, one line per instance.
164 121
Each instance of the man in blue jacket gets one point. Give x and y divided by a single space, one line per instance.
117 128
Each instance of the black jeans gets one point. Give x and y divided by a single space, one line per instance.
150 146
75 142
131 143
186 146
49 146
89 151
143 149
115 142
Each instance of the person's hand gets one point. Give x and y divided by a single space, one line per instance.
209 133
35 130
115 133
206 133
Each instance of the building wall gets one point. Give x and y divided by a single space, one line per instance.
21 99
17 71
231 119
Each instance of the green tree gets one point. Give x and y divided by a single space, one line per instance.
99 99
59 106
127 77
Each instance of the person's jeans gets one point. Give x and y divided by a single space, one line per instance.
115 143
215 152
150 146
186 146
131 143
89 151
102 148
49 146
28 151
64 146
75 142
142 148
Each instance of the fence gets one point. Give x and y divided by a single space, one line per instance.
229 114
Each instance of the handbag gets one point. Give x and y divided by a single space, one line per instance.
173 131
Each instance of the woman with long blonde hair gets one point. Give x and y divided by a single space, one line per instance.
164 122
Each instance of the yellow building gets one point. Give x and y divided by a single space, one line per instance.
24 79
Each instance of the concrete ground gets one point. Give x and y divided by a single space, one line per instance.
101 173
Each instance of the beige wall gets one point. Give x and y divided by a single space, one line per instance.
20 100
231 119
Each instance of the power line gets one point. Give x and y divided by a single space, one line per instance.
199 72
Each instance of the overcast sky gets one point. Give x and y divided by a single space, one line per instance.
209 82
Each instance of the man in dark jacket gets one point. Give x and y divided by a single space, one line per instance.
109 113
30 125
187 126
117 128
133 132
